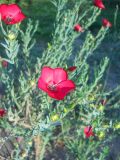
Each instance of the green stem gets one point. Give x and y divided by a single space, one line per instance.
44 146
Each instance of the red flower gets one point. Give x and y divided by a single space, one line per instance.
99 4
2 112
11 14
55 82
4 64
106 23
19 139
103 102
71 69
88 131
78 28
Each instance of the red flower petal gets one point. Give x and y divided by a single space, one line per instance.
59 75
54 95
99 4
12 9
3 8
42 85
106 23
47 74
103 102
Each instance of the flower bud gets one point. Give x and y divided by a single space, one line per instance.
65 110
91 97
2 112
99 4
106 23
101 108
78 28
24 154
11 36
33 83
4 64
71 69
117 125
101 135
30 143
19 139
92 105
54 117
106 126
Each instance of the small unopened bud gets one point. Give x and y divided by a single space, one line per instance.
117 125
11 36
24 154
30 143
78 28
65 110
54 117
101 108
33 83
101 135
4 64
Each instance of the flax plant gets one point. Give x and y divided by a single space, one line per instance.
31 113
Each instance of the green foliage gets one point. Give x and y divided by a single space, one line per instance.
86 150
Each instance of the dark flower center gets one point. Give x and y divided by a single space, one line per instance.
52 87
8 19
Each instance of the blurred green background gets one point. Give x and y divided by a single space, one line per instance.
44 11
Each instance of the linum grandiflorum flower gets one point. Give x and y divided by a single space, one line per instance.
11 13
78 28
2 112
106 23
99 4
55 82
88 131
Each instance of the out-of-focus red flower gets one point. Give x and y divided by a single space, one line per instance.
4 64
11 13
71 69
99 4
106 23
88 131
2 112
103 102
78 28
19 139
55 82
